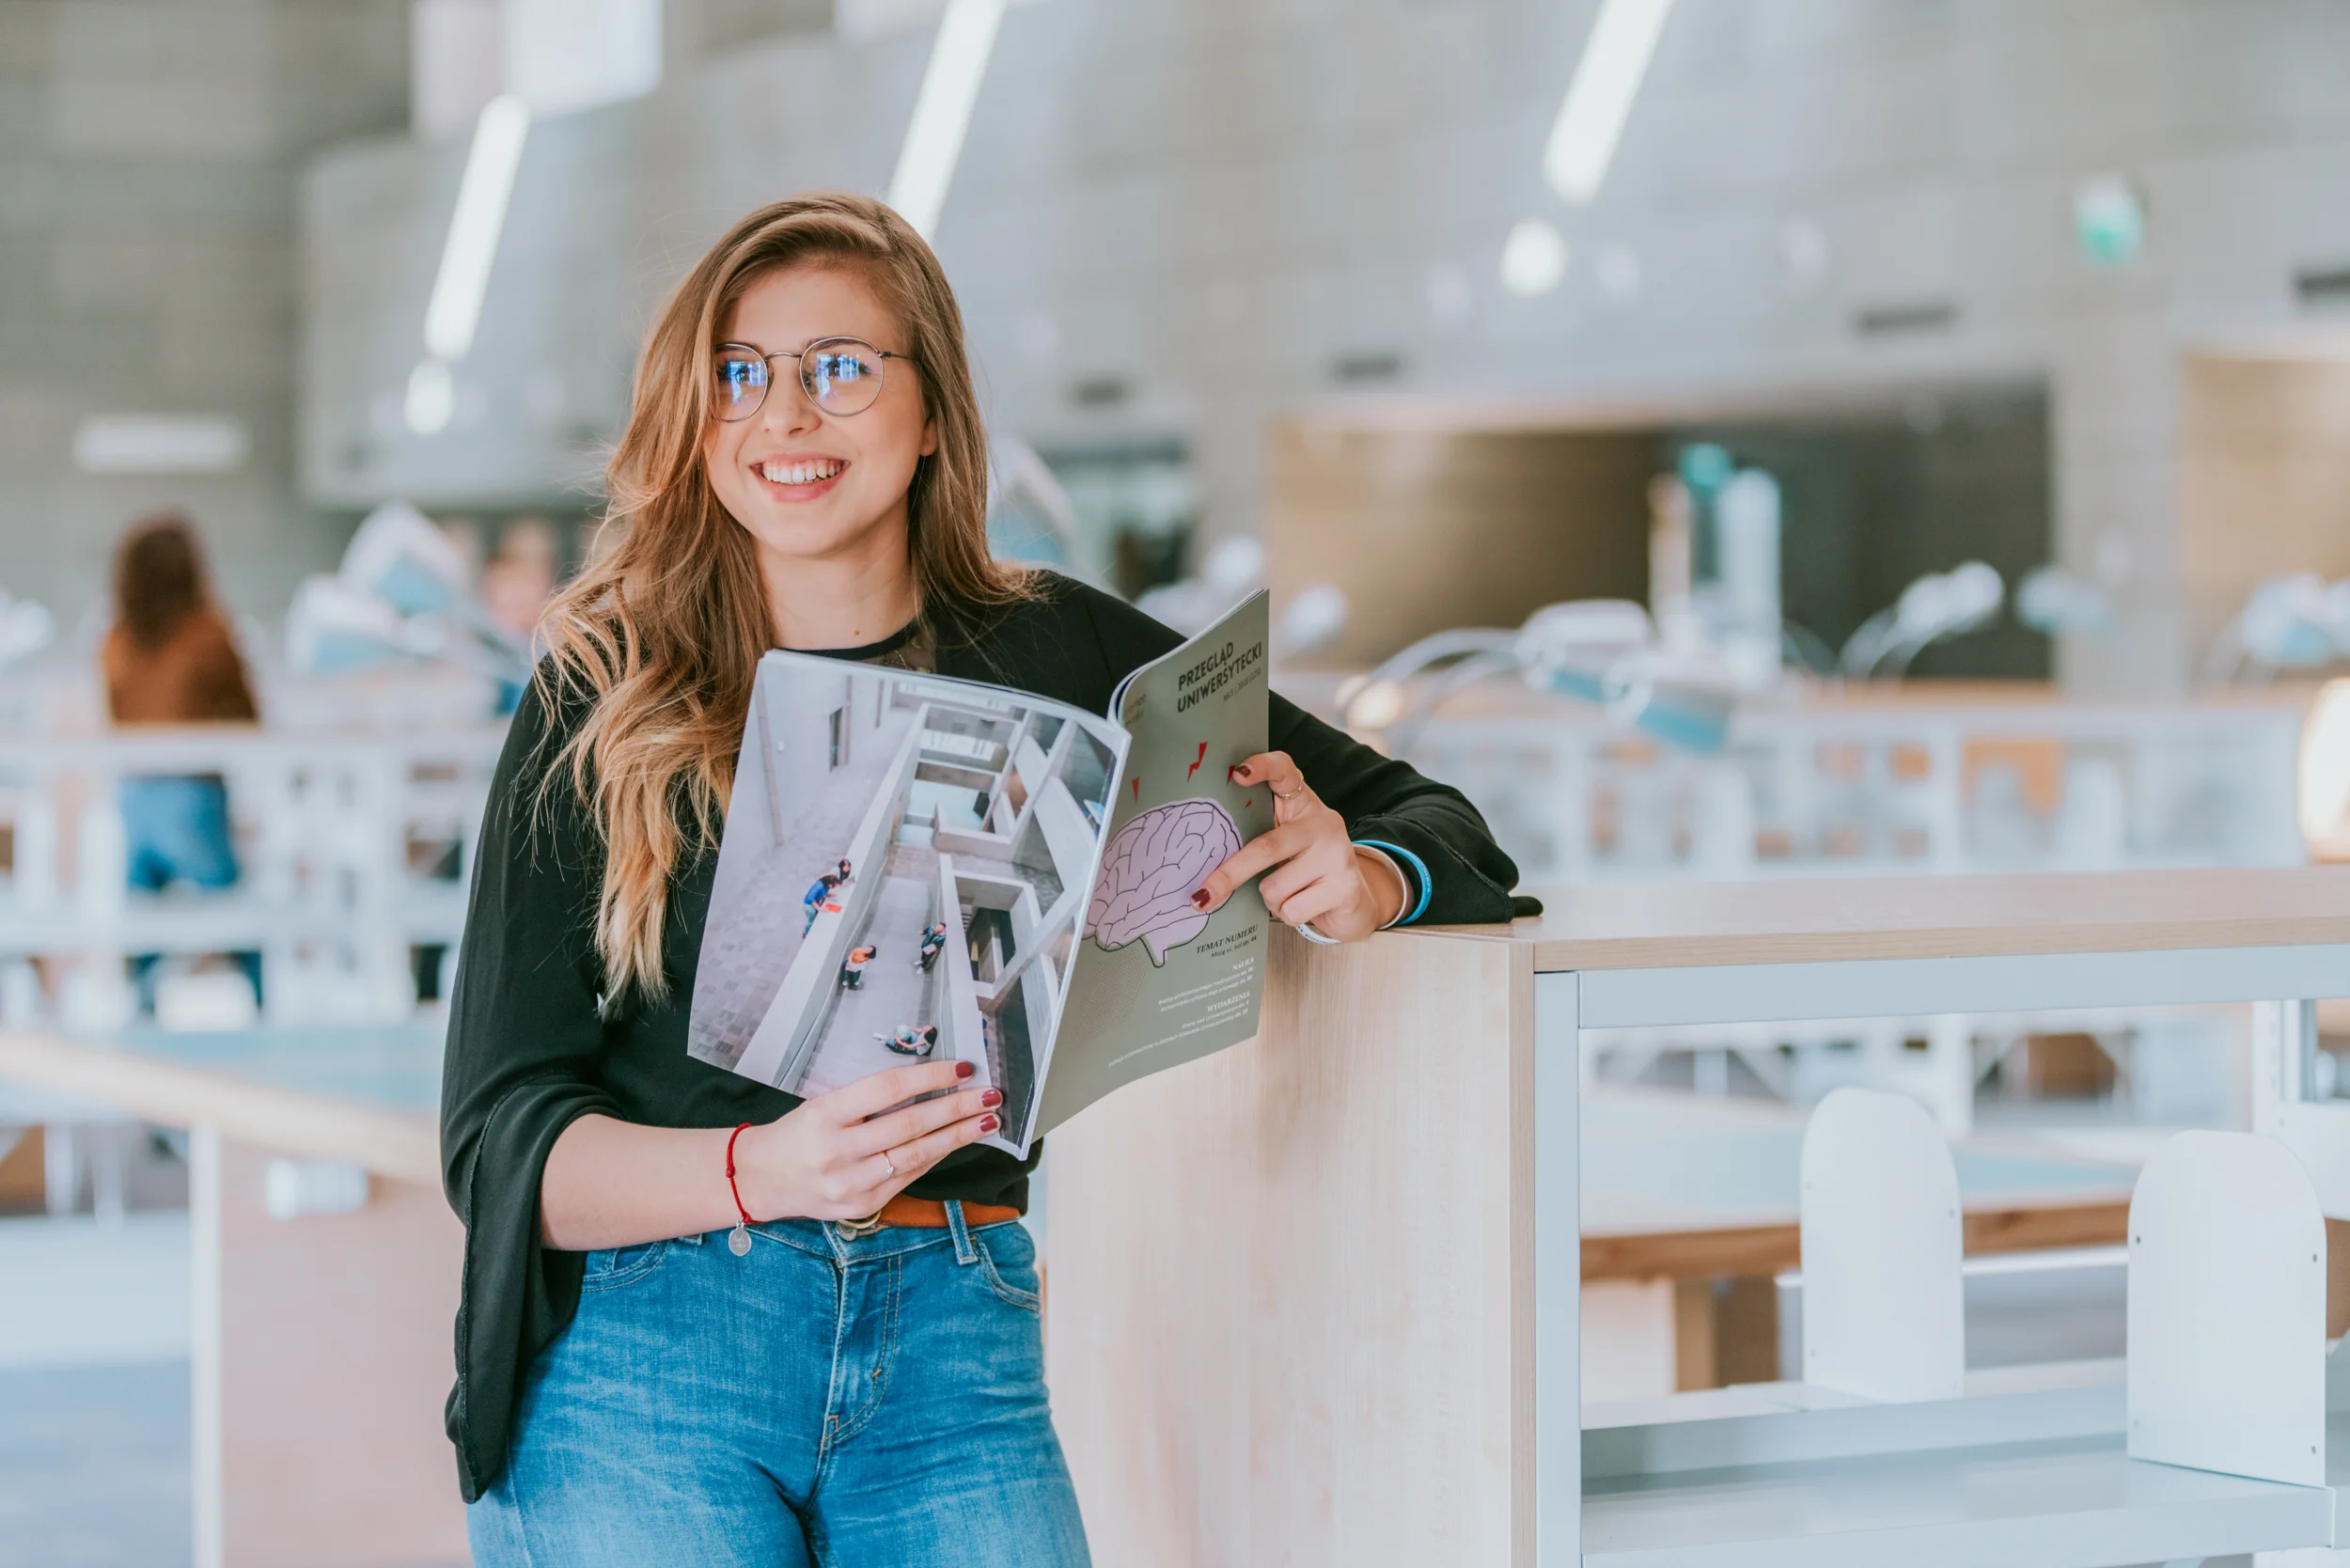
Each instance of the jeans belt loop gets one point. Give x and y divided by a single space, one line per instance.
965 1251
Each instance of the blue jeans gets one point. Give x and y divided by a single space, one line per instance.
177 829
866 1402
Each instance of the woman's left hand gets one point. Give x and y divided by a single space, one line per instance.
1311 870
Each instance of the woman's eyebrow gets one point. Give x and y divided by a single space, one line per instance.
804 346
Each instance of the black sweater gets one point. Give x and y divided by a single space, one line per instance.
528 1051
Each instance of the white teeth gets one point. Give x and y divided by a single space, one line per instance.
799 473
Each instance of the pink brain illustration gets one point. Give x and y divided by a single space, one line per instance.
1150 871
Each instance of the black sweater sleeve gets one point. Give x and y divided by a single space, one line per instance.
1468 878
524 1035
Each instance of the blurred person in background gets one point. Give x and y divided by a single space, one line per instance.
521 577
170 659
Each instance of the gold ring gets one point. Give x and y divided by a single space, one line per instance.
890 1163
1292 795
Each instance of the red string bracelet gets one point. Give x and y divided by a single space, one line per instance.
739 1239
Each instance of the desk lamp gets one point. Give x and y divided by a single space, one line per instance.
403 592
1030 516
25 628
1233 570
1938 606
2298 621
2056 602
1602 651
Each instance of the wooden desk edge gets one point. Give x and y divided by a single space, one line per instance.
1944 941
401 1146
1731 1252
1700 951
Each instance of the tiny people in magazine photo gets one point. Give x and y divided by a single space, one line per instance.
822 845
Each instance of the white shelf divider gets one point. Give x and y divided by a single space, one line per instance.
1884 1307
2227 1310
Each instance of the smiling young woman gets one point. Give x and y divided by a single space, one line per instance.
804 466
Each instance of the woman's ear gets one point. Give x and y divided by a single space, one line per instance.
930 437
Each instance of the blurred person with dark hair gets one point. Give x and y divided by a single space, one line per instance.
521 578
169 660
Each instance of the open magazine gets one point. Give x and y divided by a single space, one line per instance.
917 868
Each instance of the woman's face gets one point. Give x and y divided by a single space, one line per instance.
808 485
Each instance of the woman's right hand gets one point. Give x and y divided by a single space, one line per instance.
825 1160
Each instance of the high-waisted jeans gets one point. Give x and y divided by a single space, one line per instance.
875 1401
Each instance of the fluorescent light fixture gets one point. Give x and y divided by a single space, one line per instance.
1618 269
564 56
942 111
1803 246
160 444
1599 100
455 308
431 398
1533 258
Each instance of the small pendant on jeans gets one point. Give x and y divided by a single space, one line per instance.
738 1241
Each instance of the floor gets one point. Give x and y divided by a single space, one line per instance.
94 1465
754 936
94 1393
895 991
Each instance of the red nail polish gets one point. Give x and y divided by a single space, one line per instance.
1201 900
1237 775
992 1098
964 1069
989 1123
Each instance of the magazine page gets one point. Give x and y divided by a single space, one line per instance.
1159 984
902 878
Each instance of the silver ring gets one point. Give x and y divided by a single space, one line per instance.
1305 929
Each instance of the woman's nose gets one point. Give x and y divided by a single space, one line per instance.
788 410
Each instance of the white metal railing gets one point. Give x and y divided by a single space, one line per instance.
1900 786
1915 781
354 851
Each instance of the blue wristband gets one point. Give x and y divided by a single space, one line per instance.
1419 870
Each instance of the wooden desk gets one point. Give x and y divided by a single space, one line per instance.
1315 1299
1677 1186
1691 1207
322 1343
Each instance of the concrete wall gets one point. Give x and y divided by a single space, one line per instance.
1224 211
148 159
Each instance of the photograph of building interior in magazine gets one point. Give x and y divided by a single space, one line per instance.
904 870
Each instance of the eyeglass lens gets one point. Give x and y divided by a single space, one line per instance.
839 377
742 383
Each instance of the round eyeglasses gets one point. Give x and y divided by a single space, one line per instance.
840 376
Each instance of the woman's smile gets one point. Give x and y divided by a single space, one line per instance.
799 475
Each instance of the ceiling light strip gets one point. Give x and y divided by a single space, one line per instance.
942 111
455 308
1599 100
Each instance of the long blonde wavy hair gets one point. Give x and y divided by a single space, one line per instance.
661 635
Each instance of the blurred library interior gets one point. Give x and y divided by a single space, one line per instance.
1833 482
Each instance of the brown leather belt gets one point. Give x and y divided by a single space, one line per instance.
926 1214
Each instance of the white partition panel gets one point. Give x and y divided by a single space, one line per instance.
2227 1310
1884 1304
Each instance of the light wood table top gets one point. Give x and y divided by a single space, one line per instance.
365 1095
1673 925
